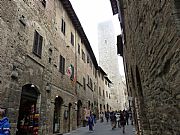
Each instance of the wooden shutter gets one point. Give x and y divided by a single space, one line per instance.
40 45
35 42
62 65
37 47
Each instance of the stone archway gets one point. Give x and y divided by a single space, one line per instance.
28 110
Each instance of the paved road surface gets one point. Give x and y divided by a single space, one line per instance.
103 129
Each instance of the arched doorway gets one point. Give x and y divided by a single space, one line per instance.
79 110
57 114
28 112
69 116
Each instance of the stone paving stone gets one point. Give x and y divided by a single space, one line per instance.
103 129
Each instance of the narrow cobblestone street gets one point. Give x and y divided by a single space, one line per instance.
103 129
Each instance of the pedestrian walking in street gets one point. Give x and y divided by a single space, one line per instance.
101 117
107 116
94 118
113 119
123 121
127 117
130 116
4 123
118 118
91 122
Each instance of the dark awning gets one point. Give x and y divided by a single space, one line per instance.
114 6
119 45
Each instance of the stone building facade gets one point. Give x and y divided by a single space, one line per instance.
109 61
150 46
105 100
48 71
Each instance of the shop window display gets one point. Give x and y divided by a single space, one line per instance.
28 114
28 119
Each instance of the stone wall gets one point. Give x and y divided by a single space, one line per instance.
152 59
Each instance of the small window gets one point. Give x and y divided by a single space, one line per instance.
87 58
72 38
43 2
88 79
50 51
84 83
50 55
94 86
50 60
78 49
83 56
37 48
106 94
91 84
103 94
63 26
91 64
62 65
99 91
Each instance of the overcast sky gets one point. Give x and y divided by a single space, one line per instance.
90 14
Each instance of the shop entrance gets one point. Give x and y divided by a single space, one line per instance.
57 114
79 110
28 115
